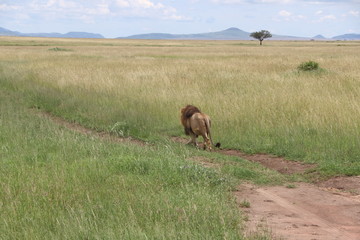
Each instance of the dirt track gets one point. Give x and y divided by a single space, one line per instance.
327 211
303 212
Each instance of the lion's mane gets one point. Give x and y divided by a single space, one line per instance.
186 113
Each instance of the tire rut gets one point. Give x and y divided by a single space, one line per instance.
88 131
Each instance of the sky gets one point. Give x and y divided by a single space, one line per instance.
120 18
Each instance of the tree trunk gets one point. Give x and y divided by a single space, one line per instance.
260 42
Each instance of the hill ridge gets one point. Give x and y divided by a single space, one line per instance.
231 33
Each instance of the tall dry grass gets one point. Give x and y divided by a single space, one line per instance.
258 100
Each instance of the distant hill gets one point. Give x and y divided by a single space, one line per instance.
6 32
228 34
234 34
350 36
319 37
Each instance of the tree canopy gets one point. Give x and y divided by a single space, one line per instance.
261 35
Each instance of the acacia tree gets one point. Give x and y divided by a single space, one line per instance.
261 35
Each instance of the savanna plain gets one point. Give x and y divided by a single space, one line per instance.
56 183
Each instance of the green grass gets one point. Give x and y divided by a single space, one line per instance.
59 184
308 66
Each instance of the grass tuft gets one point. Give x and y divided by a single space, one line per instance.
308 66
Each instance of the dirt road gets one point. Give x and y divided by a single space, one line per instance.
305 212
328 210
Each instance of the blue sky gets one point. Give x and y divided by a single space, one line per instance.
119 18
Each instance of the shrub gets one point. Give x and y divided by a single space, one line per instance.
308 66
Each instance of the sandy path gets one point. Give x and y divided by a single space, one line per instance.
301 213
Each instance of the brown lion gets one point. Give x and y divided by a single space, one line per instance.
195 124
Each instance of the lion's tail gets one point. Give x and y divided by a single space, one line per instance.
208 125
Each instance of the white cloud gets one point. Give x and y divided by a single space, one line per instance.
285 13
288 16
88 10
321 17
171 13
253 1
149 9
50 3
228 1
139 4
99 9
275 1
354 13
122 3
103 8
300 16
53 5
307 2
148 4
5 7
67 4
327 17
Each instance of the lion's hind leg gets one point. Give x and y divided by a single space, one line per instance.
207 143
193 139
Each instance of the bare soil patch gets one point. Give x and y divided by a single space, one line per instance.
279 164
346 185
301 213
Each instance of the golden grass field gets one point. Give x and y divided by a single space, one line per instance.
258 100
56 183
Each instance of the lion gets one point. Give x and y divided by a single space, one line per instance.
195 124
